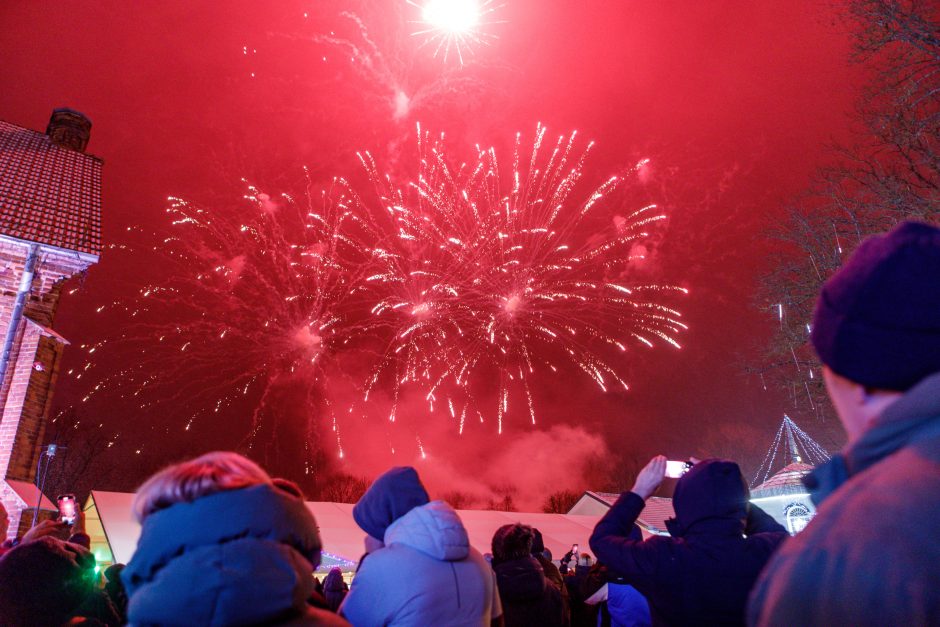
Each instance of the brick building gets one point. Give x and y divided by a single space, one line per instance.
50 229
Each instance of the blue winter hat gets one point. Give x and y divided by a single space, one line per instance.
877 321
391 496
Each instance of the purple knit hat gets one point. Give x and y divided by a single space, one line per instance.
877 321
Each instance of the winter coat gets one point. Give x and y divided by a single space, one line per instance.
702 574
580 587
626 606
871 555
238 557
334 589
528 598
426 574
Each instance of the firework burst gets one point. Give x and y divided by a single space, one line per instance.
259 296
473 289
454 28
494 284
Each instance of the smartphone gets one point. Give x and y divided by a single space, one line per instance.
675 470
67 511
574 548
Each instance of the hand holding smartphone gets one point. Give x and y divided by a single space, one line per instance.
674 470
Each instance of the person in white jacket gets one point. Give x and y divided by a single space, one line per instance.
420 568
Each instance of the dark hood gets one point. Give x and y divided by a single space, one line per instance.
712 497
334 581
235 557
520 579
392 495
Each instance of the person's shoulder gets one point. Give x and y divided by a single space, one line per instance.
766 540
900 490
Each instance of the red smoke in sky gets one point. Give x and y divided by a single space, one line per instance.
735 103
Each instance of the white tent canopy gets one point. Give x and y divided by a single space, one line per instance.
114 532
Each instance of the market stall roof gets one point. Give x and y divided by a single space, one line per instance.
114 532
30 495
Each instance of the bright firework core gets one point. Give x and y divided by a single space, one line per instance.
456 16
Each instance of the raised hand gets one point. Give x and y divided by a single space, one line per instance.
650 477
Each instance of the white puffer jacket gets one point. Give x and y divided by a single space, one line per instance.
426 574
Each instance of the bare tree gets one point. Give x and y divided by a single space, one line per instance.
561 502
459 500
502 504
343 488
892 173
76 468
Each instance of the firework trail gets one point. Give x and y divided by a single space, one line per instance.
468 288
489 282
256 299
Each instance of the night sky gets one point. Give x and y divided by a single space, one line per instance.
736 103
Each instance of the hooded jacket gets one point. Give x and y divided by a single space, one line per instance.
702 573
527 597
238 557
871 555
426 574
334 589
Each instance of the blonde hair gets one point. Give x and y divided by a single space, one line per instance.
193 479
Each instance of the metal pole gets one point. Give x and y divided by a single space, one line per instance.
26 283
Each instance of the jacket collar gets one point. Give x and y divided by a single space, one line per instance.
260 511
912 418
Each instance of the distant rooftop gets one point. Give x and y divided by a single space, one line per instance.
49 194
787 480
653 517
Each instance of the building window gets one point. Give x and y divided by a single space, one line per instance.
797 517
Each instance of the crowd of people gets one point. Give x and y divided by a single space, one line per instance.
223 543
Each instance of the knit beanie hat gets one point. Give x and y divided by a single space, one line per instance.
877 321
43 582
391 496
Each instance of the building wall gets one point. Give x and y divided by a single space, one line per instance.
26 391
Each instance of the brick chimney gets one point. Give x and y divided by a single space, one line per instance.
69 128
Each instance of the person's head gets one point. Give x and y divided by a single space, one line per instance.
196 478
512 542
333 579
713 489
585 560
876 327
391 496
44 581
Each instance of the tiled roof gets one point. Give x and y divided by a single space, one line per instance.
48 194
653 517
788 480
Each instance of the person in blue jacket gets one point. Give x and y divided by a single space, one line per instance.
220 544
